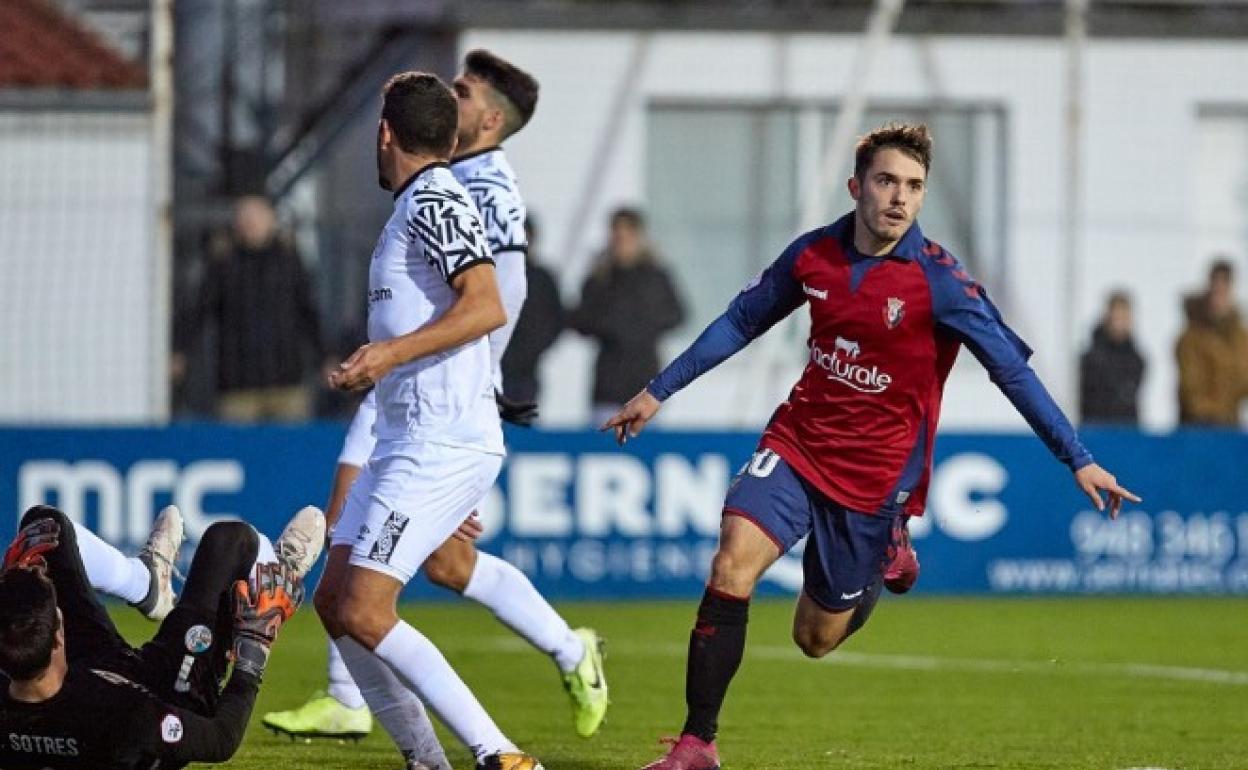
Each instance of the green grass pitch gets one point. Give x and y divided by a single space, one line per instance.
1104 684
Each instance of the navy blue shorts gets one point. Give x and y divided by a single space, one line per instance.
846 550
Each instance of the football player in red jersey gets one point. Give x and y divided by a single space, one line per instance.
848 455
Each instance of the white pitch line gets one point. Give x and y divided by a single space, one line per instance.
916 662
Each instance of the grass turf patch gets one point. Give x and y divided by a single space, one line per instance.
1104 683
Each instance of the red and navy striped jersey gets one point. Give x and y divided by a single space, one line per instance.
860 424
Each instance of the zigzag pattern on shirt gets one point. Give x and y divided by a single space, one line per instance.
502 213
449 230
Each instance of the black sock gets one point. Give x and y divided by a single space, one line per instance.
865 605
715 649
225 555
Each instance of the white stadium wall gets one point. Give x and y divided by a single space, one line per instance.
1165 167
77 271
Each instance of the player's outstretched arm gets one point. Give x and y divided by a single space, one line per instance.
962 306
260 610
629 421
764 301
477 312
1093 479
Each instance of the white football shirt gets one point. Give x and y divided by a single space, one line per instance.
492 183
433 236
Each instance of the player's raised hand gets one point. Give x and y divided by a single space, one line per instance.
629 421
31 543
1093 479
261 606
364 368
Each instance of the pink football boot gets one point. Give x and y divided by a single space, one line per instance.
688 753
901 571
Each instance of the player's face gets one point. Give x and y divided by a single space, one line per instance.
627 242
889 194
474 106
254 222
1119 321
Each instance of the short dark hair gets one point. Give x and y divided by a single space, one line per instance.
517 87
28 622
1223 269
911 138
626 215
1118 297
422 112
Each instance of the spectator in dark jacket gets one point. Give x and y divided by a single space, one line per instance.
540 324
1112 369
259 296
627 303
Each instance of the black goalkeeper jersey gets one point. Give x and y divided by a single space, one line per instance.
103 721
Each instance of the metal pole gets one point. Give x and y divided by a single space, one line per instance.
576 262
849 117
775 353
161 306
1076 42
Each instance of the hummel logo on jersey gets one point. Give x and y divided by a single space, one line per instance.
816 293
380 295
840 367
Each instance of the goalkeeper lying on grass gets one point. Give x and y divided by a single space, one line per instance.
79 696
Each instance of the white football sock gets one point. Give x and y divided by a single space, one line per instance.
395 706
109 570
421 666
265 554
510 595
342 687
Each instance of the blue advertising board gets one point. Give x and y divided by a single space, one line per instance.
585 519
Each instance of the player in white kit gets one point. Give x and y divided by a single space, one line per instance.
495 100
433 298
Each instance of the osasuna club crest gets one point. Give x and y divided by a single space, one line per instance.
894 311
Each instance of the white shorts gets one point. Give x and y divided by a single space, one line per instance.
409 498
359 443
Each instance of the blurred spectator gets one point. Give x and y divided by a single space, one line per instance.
541 322
627 302
1213 354
1112 369
259 297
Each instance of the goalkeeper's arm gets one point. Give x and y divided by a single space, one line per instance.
188 737
260 609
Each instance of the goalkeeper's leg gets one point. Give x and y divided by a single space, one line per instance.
186 661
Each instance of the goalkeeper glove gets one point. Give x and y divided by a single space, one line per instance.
259 611
28 548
